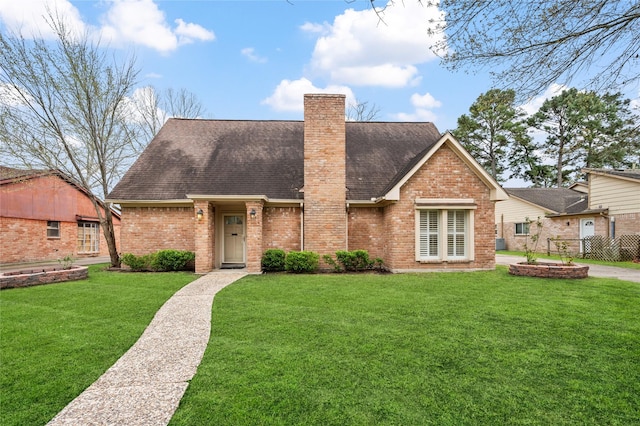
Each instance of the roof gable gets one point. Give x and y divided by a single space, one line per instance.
393 190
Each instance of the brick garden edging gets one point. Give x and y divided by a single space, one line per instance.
549 270
31 277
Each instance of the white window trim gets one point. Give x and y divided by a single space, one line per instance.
443 206
515 229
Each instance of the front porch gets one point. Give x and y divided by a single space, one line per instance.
227 234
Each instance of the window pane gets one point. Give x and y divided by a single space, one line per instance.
53 229
456 233
88 237
429 230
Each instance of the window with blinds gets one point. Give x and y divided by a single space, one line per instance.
456 233
429 233
444 235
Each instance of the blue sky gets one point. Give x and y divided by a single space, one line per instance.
255 59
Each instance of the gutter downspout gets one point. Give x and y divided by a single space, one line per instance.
346 229
301 226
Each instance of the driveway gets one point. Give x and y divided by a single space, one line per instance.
594 270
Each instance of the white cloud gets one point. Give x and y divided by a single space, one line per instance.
360 49
385 75
10 97
142 22
425 101
423 104
534 104
311 27
250 53
125 22
289 95
187 32
28 16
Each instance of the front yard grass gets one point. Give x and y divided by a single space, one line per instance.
57 339
443 349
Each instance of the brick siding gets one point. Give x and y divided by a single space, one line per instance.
25 240
453 179
281 228
325 219
149 229
366 230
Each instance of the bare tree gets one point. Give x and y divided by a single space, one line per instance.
361 111
153 107
528 44
64 107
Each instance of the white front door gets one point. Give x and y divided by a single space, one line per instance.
233 239
587 229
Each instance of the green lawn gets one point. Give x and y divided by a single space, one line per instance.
444 349
57 339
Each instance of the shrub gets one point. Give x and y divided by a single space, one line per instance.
301 262
173 260
356 260
351 261
162 261
330 261
273 260
137 263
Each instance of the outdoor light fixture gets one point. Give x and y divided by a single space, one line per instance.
199 214
253 213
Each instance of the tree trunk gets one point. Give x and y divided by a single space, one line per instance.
110 237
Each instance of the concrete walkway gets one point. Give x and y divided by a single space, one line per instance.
594 270
146 384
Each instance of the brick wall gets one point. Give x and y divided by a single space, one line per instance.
149 229
325 219
281 228
444 175
254 237
366 230
203 235
627 224
25 240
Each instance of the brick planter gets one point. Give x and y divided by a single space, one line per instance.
31 277
549 270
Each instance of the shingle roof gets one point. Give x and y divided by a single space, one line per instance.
228 157
627 173
557 200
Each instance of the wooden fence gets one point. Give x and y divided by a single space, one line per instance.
621 249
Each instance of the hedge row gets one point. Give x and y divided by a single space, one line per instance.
161 261
276 260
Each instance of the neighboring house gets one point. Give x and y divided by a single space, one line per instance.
45 215
618 192
229 190
607 205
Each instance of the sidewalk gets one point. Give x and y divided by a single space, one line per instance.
145 385
594 270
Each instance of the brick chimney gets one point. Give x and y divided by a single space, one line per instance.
325 217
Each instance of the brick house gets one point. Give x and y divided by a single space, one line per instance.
229 190
607 205
45 215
